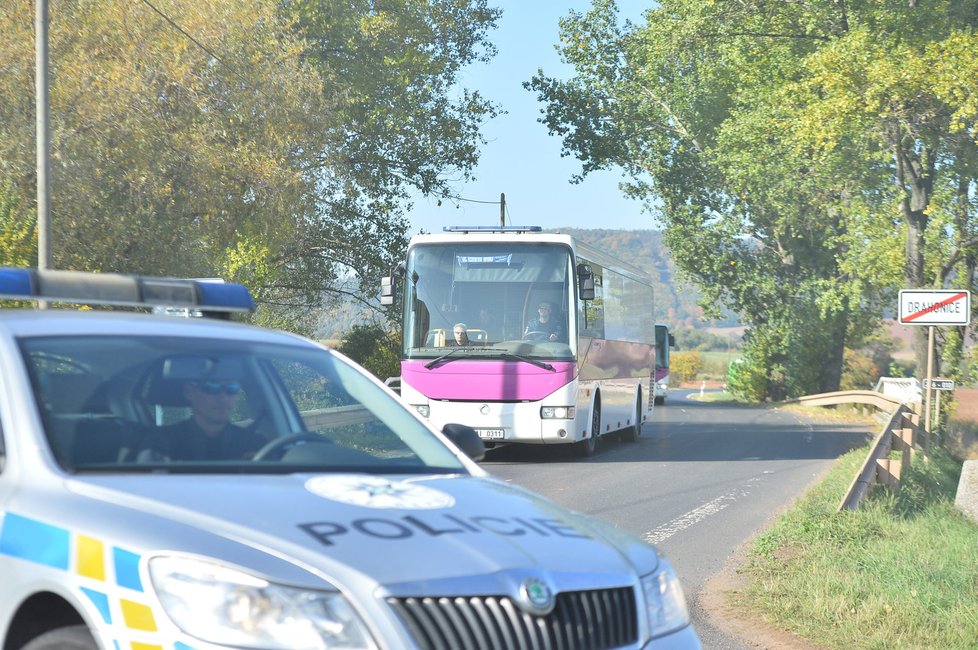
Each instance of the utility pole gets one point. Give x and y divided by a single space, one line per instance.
502 209
41 100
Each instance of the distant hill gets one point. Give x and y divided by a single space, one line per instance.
675 302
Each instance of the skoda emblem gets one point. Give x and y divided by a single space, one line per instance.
537 596
485 409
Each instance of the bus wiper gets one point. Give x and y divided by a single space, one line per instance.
445 357
520 357
502 354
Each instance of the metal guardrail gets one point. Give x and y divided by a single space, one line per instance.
869 397
901 434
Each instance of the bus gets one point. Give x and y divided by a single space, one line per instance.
664 340
586 371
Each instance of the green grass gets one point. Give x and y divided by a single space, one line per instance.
714 365
715 396
901 572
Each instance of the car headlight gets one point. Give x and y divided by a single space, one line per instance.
225 606
557 412
665 601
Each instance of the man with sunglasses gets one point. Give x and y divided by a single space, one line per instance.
544 327
208 434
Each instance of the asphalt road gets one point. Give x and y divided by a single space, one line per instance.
702 481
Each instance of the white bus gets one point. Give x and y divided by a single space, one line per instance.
560 337
664 340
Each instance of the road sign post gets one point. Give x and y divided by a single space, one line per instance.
951 307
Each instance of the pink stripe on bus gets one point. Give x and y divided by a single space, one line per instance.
487 380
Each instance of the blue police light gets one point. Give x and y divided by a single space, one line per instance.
504 229
123 290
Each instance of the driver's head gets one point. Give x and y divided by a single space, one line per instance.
543 311
212 402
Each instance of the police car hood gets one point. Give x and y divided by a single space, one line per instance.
394 529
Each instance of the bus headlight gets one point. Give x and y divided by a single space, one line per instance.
665 601
423 410
224 606
557 412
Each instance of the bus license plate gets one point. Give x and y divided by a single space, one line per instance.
491 434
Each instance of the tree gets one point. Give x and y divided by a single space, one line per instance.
777 201
18 230
206 138
375 349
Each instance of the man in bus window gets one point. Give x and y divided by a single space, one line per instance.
544 327
461 332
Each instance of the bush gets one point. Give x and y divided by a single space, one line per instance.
685 365
746 381
374 349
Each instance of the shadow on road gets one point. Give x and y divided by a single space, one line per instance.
690 431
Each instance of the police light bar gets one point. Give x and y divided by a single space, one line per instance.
123 290
509 229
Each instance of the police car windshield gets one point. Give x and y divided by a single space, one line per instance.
185 404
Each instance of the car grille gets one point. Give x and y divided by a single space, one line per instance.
595 620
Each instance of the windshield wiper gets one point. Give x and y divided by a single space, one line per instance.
484 352
520 357
445 357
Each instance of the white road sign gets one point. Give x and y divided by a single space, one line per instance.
949 307
939 384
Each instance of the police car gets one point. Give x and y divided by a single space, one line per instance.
193 484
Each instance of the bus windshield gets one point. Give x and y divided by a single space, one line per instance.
490 300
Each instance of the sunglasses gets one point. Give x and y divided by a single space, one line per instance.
216 387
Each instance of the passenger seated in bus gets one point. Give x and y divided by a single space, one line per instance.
487 323
461 332
544 327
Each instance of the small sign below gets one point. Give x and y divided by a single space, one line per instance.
939 384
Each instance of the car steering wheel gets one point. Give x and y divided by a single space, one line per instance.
536 336
280 445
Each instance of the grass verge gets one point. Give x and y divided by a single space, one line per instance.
901 572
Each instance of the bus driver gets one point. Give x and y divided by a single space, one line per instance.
544 326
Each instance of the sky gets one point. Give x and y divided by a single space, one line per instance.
520 159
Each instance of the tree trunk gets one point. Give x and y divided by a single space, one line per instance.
914 179
835 363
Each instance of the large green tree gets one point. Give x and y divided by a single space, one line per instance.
779 198
239 139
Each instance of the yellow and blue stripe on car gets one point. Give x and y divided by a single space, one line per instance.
107 575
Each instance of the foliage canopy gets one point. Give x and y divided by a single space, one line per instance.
806 159
274 144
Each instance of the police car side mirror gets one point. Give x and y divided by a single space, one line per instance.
467 439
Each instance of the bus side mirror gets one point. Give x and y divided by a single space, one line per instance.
585 282
672 341
387 287
587 288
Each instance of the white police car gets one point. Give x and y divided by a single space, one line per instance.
191 484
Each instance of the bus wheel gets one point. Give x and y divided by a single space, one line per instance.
632 433
75 637
587 446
